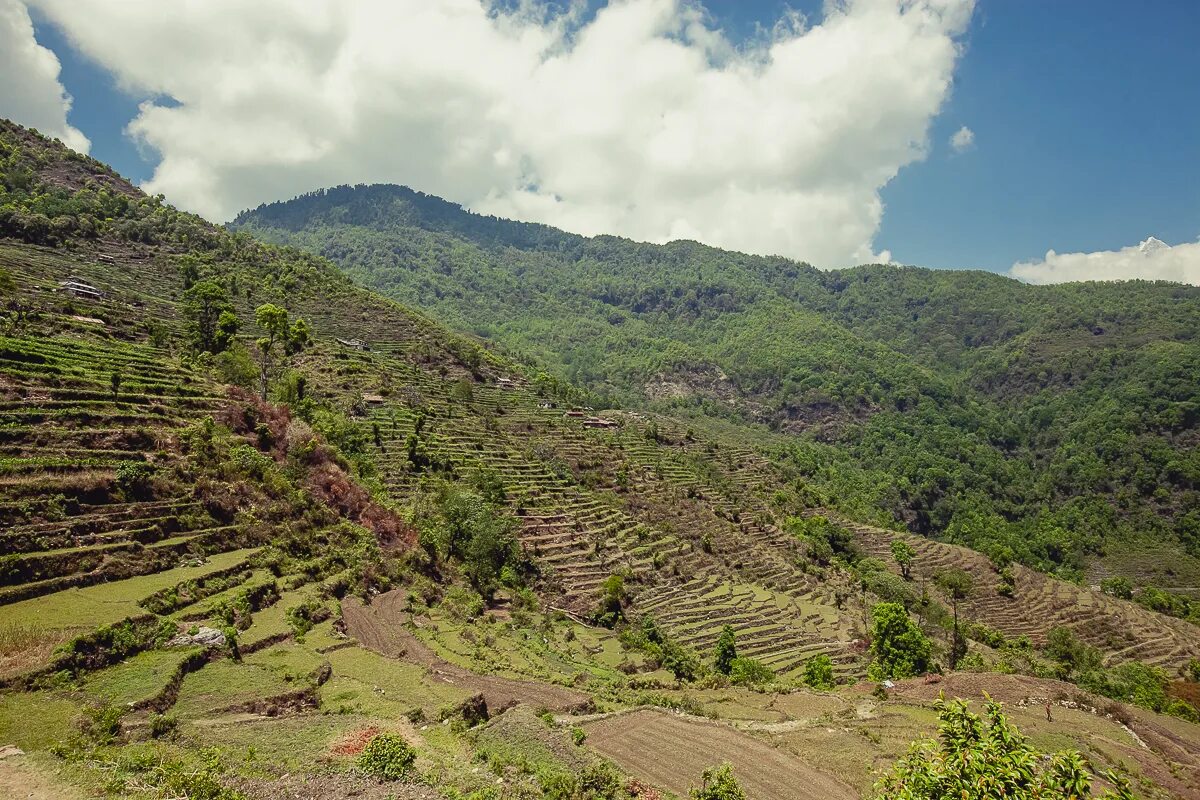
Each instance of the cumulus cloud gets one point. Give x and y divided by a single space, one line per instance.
963 139
1149 260
30 92
643 120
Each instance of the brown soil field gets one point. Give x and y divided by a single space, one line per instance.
380 627
672 751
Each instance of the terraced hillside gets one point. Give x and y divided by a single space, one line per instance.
1123 630
197 581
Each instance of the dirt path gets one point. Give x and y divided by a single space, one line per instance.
380 627
19 779
672 751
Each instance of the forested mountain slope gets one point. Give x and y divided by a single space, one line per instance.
1057 421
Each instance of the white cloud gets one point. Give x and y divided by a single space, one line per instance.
1149 260
963 139
643 121
29 91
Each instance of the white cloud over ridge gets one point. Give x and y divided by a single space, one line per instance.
643 121
30 92
1151 260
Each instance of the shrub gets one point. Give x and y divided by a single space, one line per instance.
102 724
718 783
1117 587
600 780
611 608
749 672
975 758
387 756
818 672
134 479
162 725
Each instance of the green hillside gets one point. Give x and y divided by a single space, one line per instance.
265 533
1057 421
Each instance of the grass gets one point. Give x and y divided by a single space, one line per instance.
25 645
222 684
288 660
268 746
367 683
36 720
107 603
138 678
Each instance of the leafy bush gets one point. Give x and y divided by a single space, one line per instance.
745 671
818 672
718 783
726 651
1117 587
387 756
977 758
134 479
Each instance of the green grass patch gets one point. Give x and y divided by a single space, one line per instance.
36 720
222 684
139 678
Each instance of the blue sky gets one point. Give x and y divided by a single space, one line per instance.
1085 116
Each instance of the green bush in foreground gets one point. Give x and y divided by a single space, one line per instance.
387 756
975 759
719 784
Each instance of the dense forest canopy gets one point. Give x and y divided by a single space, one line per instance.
1058 422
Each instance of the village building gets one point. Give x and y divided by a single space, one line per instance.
77 287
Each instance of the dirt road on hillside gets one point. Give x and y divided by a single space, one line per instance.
380 627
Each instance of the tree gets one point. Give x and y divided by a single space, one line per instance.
492 547
293 338
975 759
899 647
611 608
1072 655
114 381
818 672
208 316
726 651
903 554
718 783
957 585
